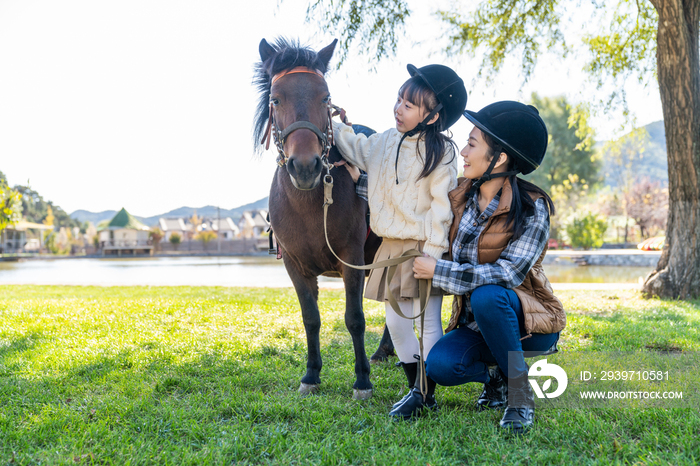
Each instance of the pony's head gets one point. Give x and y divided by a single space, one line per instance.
291 84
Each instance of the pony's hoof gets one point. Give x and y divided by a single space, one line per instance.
361 394
381 355
306 389
378 359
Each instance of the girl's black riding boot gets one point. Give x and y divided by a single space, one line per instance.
411 371
495 391
412 404
520 409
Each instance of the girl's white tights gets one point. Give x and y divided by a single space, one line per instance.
401 330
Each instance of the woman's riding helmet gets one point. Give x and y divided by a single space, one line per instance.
518 128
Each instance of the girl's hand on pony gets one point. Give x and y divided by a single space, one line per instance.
424 267
353 170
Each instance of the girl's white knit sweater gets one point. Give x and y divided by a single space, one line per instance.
412 209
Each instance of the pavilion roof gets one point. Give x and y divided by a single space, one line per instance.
123 220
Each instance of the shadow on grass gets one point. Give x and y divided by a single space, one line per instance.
16 346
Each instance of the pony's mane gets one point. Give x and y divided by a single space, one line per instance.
288 54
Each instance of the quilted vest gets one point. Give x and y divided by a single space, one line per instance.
543 311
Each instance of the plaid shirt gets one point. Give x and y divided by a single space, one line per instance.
464 274
361 188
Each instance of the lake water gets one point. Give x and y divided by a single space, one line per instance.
261 271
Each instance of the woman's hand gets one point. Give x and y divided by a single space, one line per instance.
424 267
353 170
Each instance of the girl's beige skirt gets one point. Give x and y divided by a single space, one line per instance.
403 285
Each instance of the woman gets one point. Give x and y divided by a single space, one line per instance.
503 304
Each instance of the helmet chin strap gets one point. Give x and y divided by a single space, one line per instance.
419 127
424 124
487 176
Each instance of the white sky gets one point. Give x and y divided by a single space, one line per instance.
148 104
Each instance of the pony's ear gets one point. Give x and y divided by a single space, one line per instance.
326 53
266 51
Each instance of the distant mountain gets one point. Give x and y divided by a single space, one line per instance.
94 217
653 162
207 211
182 212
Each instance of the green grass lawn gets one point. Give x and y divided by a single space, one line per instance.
146 375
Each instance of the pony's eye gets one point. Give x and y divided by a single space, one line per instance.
274 102
327 99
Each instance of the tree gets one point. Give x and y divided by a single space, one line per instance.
155 234
586 231
206 237
642 39
648 206
35 209
10 206
175 240
623 157
49 219
569 151
567 198
196 222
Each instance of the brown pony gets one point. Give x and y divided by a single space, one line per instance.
294 112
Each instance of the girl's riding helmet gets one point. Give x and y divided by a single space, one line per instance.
449 89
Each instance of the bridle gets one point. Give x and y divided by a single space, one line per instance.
280 136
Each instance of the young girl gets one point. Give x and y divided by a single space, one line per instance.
504 303
410 170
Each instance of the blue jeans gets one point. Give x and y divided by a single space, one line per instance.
463 355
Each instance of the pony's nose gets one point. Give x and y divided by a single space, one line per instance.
305 171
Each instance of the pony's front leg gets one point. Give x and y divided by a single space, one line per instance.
355 322
307 292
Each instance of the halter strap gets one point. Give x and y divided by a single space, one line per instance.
272 132
298 69
306 125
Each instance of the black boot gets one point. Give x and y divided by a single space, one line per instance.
411 371
520 410
495 391
412 404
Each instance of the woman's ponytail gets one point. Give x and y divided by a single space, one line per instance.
522 205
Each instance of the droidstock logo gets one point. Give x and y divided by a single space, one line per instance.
542 369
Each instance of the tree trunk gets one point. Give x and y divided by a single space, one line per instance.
677 274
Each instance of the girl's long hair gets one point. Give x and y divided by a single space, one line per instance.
416 91
522 205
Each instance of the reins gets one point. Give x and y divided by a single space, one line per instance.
424 286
